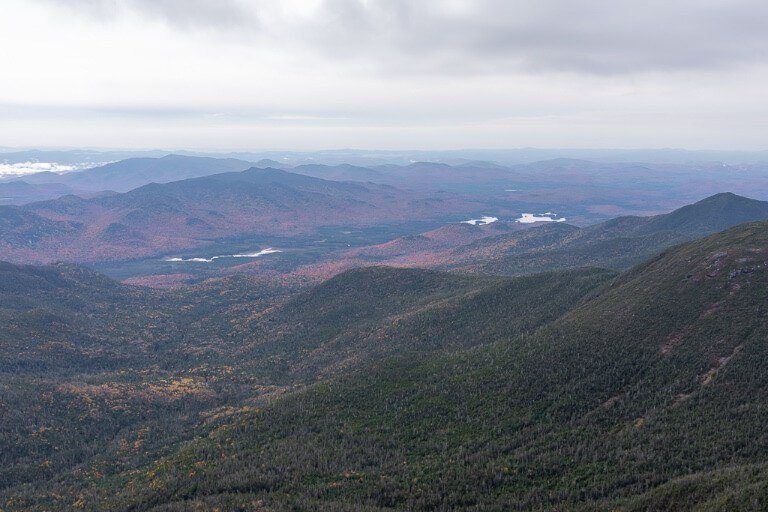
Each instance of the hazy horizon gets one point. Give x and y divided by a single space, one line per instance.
404 149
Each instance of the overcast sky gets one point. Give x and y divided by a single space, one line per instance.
314 74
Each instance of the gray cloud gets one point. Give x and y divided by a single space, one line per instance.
469 36
184 14
373 73
592 36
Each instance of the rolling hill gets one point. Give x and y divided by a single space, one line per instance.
430 249
84 360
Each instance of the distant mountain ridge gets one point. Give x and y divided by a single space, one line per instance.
589 191
19 192
509 249
188 213
131 173
625 241
715 213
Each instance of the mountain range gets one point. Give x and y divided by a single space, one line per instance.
158 218
589 190
403 157
512 248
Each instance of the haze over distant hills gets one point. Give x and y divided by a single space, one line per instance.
132 173
21 192
590 190
478 170
363 157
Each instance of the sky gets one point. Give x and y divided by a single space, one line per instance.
396 74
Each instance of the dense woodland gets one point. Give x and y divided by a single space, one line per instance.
392 388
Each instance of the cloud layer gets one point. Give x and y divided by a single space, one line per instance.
589 36
384 73
185 14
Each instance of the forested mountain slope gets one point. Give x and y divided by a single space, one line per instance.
101 378
364 314
84 359
649 396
